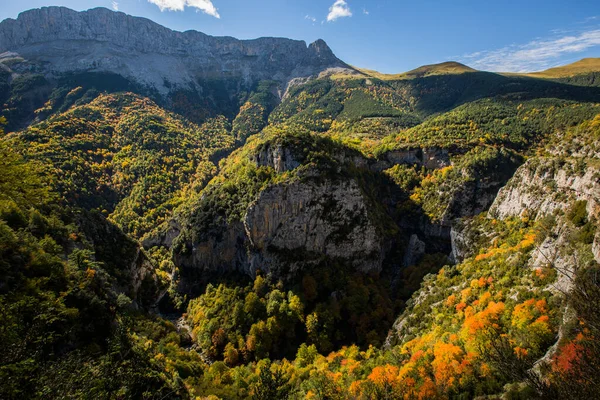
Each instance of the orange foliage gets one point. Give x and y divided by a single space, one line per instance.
385 375
447 364
450 300
568 357
90 273
427 390
474 322
521 352
530 310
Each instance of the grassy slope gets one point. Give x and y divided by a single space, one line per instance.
445 68
583 66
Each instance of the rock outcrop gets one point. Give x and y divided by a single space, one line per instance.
291 225
543 185
596 247
430 158
59 40
414 251
276 156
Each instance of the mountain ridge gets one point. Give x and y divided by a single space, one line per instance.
101 40
49 13
583 66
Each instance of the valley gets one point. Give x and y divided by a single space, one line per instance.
189 216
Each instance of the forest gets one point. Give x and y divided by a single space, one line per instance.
361 237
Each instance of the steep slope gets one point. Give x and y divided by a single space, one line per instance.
540 234
281 204
66 277
364 110
101 40
195 74
289 208
126 157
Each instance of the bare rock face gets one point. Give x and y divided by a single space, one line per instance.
543 185
277 156
291 225
59 40
460 243
431 158
414 251
596 247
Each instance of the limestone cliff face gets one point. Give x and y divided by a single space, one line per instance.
431 158
540 187
60 40
545 184
304 215
291 225
278 157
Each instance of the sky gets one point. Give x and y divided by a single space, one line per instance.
389 36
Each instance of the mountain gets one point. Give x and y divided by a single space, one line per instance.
60 45
584 72
100 40
185 216
584 66
449 67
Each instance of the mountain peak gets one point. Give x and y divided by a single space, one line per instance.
444 68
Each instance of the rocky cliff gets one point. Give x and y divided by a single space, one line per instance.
299 212
291 225
58 40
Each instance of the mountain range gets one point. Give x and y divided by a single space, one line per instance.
188 216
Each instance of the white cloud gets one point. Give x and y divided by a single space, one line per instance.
310 18
115 6
536 55
206 6
339 9
365 11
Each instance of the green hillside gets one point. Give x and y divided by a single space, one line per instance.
432 234
445 68
583 66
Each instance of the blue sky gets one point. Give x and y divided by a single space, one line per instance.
388 35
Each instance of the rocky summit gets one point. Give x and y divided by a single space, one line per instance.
194 217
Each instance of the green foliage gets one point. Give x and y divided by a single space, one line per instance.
514 124
21 183
125 157
271 384
60 334
253 115
245 323
578 213
102 170
243 177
